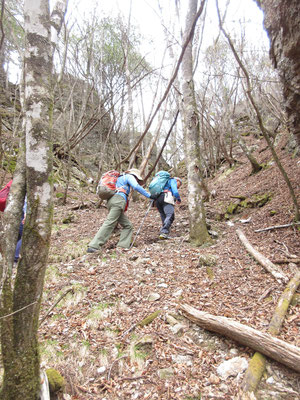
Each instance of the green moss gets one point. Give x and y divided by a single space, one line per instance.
232 208
254 372
255 201
56 381
295 299
210 273
149 318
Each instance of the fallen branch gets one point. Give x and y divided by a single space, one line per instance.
287 261
55 304
276 227
264 343
264 261
257 364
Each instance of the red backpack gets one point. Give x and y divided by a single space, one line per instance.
3 195
107 185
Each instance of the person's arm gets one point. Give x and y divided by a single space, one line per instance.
135 186
174 190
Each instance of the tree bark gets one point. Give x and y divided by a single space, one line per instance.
264 261
198 230
282 19
22 364
274 348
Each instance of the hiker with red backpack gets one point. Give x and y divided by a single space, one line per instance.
117 203
166 188
3 199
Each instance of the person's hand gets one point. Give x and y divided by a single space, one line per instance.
154 196
178 201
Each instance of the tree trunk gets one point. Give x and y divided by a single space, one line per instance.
22 365
198 230
274 348
282 21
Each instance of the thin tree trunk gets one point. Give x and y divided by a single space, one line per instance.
263 129
198 230
19 332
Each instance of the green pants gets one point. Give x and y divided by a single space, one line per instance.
116 206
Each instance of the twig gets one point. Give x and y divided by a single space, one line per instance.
133 378
277 227
21 309
114 362
265 293
287 261
55 304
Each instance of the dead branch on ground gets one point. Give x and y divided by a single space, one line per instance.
264 261
264 343
257 364
277 227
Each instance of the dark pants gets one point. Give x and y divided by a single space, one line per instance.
166 213
18 248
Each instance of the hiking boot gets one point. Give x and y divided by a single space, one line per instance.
164 236
92 250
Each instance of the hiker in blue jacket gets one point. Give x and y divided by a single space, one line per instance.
165 205
117 205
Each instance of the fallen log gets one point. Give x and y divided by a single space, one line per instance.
264 261
257 364
264 343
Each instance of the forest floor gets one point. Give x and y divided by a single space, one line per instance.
93 336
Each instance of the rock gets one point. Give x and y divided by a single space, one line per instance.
153 297
270 380
207 260
213 234
224 388
162 285
232 367
101 370
171 320
178 329
178 293
183 359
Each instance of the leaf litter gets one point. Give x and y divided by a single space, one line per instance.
94 337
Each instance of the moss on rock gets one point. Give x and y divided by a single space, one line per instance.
56 381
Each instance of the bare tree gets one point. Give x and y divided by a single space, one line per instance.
21 301
263 129
198 229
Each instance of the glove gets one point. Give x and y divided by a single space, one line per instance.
178 201
154 196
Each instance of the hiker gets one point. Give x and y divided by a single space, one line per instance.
3 198
117 205
19 242
165 205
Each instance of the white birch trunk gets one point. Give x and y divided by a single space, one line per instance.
198 230
20 342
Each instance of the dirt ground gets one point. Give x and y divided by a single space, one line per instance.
93 336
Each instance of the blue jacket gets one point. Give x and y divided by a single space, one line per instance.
128 181
171 185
